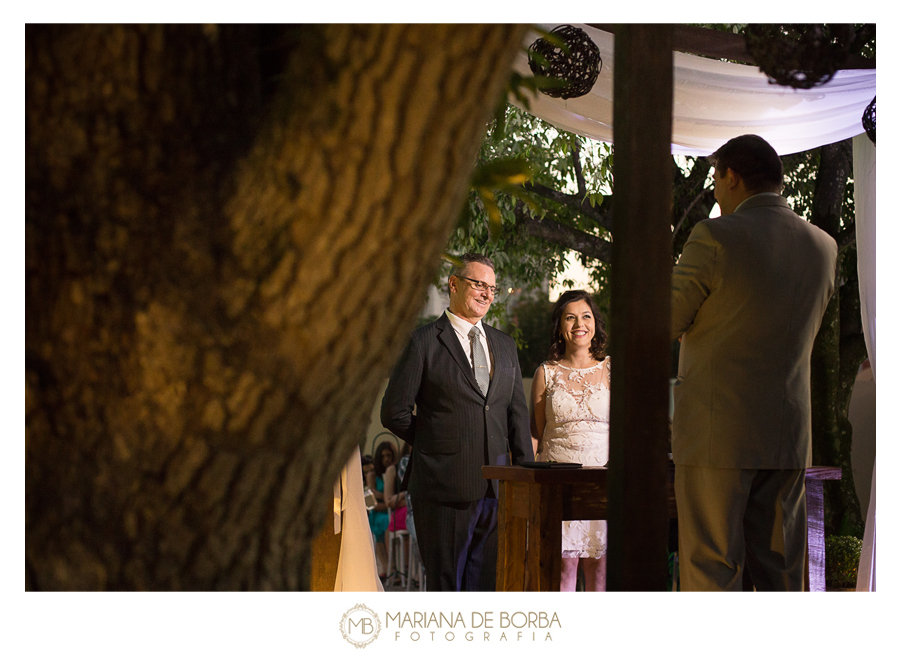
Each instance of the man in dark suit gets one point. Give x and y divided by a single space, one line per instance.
456 396
748 296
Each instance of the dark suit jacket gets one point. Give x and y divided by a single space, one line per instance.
433 403
749 293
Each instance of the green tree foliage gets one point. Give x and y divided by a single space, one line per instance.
540 195
530 168
535 198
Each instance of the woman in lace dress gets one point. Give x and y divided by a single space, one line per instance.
570 421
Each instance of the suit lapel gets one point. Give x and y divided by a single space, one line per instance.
448 337
492 357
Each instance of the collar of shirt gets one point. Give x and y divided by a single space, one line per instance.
755 195
462 328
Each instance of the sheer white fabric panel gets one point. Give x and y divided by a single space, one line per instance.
864 197
356 570
865 577
715 101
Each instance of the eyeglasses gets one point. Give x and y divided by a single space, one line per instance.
481 286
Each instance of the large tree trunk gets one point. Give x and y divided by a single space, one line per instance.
838 351
229 233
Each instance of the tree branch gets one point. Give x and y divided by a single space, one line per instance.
602 215
687 210
579 174
846 238
563 235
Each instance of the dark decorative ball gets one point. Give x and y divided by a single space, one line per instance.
799 56
574 67
869 120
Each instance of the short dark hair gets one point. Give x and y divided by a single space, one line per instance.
558 343
754 160
458 270
464 261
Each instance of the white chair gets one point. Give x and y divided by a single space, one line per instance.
397 541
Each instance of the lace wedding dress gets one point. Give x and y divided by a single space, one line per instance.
577 430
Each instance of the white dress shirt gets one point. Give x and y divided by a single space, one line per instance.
462 328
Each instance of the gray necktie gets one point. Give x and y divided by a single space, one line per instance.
479 360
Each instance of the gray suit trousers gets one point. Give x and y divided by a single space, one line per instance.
732 518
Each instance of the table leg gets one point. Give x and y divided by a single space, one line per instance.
544 538
815 535
511 542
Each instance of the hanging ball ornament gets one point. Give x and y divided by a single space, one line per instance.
799 56
575 67
868 120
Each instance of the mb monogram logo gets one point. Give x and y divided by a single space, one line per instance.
360 626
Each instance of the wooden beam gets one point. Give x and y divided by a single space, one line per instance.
707 42
640 308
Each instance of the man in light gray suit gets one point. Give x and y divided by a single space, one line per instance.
748 296
456 396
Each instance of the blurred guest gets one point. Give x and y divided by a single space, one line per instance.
367 466
379 517
398 501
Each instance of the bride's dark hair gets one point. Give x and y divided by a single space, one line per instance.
558 343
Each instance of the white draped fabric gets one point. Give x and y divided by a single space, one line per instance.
864 196
356 570
715 101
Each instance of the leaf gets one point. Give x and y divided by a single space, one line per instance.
502 174
539 58
519 83
533 203
495 219
453 260
596 199
553 39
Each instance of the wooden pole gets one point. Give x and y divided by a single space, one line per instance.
640 348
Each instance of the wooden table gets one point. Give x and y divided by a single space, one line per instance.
535 502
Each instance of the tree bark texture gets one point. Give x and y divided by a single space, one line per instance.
838 351
229 234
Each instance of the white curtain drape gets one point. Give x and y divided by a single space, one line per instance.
864 197
715 101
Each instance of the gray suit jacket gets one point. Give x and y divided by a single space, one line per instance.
748 296
433 402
